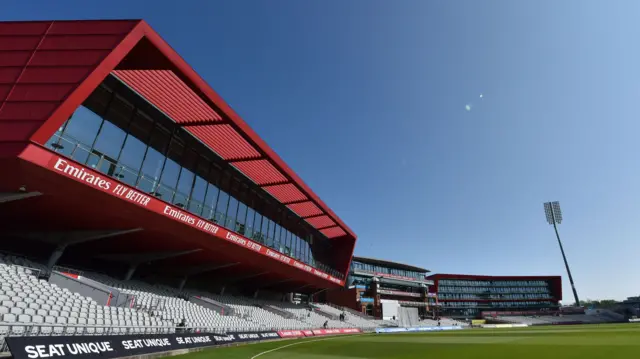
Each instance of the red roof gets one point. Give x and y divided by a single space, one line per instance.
75 56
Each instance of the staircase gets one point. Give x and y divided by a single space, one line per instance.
277 311
214 305
324 313
352 311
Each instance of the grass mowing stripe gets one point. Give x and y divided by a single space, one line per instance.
298 343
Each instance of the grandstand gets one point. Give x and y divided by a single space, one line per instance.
33 306
388 291
121 163
467 296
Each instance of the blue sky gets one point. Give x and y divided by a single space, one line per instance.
366 101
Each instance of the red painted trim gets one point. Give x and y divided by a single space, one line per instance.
75 276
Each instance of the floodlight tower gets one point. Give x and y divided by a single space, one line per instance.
554 217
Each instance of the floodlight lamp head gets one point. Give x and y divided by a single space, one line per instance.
553 212
547 212
557 212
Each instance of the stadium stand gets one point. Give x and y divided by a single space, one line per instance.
354 319
164 302
251 311
32 306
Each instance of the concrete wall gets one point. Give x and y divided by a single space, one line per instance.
101 293
98 293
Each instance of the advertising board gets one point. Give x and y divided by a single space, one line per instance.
116 346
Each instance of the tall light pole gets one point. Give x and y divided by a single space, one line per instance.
554 217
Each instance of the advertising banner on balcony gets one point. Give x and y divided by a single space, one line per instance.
101 182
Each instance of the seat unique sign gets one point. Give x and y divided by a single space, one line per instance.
117 346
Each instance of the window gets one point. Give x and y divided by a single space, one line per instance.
83 126
171 170
110 140
210 202
151 169
265 229
169 179
131 156
111 135
196 202
241 218
249 222
276 236
289 243
232 211
185 183
257 227
154 160
119 113
141 127
270 229
221 207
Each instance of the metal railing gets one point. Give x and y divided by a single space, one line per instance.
67 270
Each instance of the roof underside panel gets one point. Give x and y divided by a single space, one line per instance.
286 193
305 209
167 92
261 172
42 63
321 221
333 232
170 94
225 141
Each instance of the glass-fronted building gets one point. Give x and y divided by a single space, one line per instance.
374 284
466 296
118 133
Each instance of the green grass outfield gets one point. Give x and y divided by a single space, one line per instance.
618 341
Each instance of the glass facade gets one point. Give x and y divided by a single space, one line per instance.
145 150
470 297
365 267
